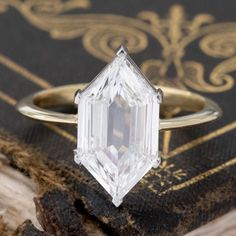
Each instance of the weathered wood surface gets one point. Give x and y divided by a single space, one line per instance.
56 210
16 197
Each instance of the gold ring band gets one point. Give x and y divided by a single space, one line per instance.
36 106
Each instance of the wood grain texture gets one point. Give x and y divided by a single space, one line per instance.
16 197
223 226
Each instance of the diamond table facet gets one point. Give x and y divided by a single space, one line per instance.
118 127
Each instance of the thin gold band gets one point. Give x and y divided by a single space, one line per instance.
35 106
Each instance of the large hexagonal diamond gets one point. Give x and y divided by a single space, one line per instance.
118 126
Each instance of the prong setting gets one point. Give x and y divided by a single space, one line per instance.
122 50
76 157
117 201
160 95
77 96
156 162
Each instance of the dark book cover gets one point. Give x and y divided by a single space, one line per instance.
186 44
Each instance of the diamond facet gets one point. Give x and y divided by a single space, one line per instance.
118 127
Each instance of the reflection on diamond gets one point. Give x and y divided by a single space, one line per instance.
118 127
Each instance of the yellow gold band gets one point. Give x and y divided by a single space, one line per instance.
36 106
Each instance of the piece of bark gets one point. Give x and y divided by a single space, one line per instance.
28 229
118 221
59 215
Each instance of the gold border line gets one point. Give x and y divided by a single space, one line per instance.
202 139
24 72
7 99
13 66
11 101
201 176
61 132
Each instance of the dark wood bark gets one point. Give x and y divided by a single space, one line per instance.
57 214
28 229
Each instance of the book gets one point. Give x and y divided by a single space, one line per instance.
187 46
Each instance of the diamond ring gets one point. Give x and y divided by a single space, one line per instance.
118 121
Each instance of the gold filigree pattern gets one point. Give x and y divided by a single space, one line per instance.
165 174
219 45
220 79
103 43
102 33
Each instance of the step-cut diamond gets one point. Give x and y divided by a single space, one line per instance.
118 127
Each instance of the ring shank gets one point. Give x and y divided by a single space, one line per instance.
36 106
